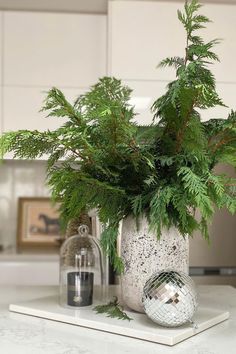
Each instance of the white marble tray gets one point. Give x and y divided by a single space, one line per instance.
141 327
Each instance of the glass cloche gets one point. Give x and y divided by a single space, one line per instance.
81 267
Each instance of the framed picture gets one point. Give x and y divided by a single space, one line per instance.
38 224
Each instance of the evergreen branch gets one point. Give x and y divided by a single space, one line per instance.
223 141
28 144
109 245
176 62
58 106
159 209
180 133
113 309
197 189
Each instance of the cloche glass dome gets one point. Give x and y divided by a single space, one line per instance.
81 267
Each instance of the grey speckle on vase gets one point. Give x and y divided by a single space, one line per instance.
143 254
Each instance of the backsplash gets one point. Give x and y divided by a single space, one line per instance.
18 179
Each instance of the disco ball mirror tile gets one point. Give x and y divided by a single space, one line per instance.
170 298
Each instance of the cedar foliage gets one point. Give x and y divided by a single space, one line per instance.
112 309
165 170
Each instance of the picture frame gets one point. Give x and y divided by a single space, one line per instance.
38 224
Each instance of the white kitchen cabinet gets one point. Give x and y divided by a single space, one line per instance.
227 92
29 269
52 49
223 26
143 96
41 50
146 92
21 107
142 33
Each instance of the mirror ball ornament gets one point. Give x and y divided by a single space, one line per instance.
170 298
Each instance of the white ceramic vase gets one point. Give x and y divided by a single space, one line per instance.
143 254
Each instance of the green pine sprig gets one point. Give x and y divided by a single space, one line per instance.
113 309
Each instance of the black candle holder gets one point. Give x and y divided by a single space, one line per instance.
80 288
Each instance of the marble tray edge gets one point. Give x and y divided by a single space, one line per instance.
205 326
118 330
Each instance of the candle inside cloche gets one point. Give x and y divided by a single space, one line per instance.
81 267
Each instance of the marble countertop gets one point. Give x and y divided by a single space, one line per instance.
30 335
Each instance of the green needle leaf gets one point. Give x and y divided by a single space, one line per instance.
113 309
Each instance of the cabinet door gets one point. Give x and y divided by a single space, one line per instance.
21 107
48 49
145 93
142 98
227 92
28 273
21 110
223 26
141 34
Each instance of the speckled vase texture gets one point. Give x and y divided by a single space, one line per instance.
143 254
